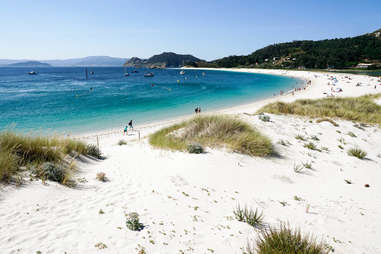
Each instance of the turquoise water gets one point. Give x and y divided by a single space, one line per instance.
62 100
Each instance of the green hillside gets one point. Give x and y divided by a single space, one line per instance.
333 53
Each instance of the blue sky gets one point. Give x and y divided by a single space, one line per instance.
207 29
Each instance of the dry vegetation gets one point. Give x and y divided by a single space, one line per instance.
213 131
286 241
45 158
361 109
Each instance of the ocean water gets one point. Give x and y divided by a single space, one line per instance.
61 100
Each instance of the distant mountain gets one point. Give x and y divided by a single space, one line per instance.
84 61
4 62
89 61
166 59
29 64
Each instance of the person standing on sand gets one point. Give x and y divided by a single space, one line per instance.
125 130
130 124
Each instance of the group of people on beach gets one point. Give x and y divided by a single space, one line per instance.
197 110
129 126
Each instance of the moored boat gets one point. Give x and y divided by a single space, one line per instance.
148 74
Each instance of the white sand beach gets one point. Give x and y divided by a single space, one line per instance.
186 201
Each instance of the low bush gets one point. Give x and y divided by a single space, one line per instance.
133 223
51 171
93 150
264 118
213 131
195 148
122 142
357 152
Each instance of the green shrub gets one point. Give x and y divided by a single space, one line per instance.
351 134
51 171
253 218
93 150
213 131
122 142
195 148
286 241
357 152
132 222
264 118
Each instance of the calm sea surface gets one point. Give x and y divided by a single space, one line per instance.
62 100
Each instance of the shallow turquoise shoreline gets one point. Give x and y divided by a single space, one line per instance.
60 100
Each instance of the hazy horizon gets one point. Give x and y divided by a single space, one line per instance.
205 29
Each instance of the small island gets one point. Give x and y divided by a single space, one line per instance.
29 64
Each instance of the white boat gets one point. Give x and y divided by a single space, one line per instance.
148 75
32 73
182 72
126 74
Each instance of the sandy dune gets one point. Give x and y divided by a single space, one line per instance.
186 201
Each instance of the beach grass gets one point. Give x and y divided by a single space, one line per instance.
251 217
20 152
357 152
213 131
360 109
286 240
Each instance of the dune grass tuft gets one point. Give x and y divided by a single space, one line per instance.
361 109
357 152
253 218
213 131
8 164
286 240
44 156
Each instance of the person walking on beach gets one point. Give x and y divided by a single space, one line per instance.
125 130
130 125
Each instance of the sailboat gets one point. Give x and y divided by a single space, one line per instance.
126 74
